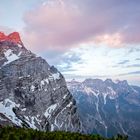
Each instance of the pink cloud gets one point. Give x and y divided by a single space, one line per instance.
56 26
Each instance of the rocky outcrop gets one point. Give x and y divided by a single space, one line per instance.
13 37
32 93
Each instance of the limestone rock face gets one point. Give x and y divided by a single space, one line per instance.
32 93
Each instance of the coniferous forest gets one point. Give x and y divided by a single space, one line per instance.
12 133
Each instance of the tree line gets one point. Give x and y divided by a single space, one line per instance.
13 133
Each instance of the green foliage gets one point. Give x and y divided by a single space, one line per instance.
12 133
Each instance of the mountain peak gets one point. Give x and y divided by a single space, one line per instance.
108 80
12 37
33 93
124 82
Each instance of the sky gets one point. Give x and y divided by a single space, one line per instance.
82 38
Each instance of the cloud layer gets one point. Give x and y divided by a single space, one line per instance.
62 24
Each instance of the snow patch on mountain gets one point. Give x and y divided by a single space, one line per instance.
31 121
43 82
49 110
90 91
112 93
56 76
10 56
6 107
32 88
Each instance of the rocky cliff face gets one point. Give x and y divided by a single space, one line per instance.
32 93
108 107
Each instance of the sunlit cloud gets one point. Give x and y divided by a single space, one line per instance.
66 23
114 40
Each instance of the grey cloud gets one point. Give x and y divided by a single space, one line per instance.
130 73
133 65
83 77
68 60
137 59
123 62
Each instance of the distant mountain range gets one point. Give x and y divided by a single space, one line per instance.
108 107
33 94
